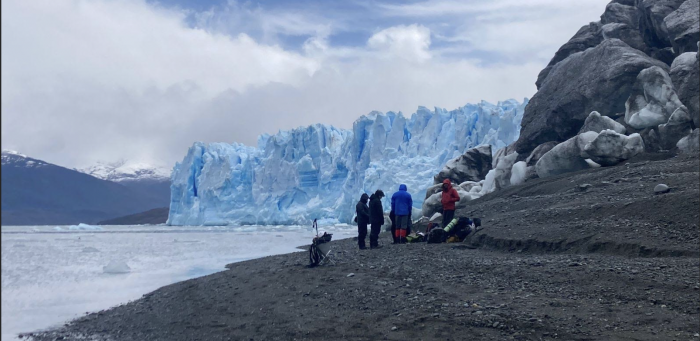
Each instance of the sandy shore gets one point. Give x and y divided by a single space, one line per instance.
557 260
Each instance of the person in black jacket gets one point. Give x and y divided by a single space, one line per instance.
362 220
376 217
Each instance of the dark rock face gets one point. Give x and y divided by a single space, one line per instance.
596 122
598 79
651 20
538 152
586 37
685 75
683 26
473 165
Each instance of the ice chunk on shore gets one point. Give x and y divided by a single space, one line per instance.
116 267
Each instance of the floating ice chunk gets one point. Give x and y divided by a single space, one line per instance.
116 267
90 249
58 228
84 227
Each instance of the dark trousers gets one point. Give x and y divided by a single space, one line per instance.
362 234
447 216
374 235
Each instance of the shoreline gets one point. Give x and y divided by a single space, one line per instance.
614 261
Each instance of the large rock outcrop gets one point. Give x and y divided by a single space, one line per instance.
565 157
691 143
598 79
610 148
597 123
683 27
653 99
473 165
685 74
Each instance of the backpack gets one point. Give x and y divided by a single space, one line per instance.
436 236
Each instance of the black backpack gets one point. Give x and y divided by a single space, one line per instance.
436 236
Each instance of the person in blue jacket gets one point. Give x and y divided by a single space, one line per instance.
402 204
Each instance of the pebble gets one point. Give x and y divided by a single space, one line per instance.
394 328
351 274
661 188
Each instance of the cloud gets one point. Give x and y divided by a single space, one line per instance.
407 42
102 80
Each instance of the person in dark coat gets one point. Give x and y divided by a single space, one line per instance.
362 212
402 204
449 198
376 217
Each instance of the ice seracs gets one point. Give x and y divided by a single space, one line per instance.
319 171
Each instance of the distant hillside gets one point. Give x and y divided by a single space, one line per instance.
35 192
154 216
150 181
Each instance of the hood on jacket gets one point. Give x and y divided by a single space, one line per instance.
403 187
447 183
379 194
371 197
364 198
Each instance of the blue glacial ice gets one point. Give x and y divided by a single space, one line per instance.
320 171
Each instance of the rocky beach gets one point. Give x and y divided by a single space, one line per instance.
593 255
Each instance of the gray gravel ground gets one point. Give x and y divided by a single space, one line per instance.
556 261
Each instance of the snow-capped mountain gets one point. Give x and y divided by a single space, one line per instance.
124 170
35 192
320 171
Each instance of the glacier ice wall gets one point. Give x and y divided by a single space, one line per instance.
320 171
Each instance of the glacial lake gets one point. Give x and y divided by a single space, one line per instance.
53 274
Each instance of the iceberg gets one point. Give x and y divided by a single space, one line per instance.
319 171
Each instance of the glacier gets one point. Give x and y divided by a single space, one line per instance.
319 171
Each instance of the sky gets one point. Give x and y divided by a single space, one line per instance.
102 80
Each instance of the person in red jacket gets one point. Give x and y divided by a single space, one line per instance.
449 198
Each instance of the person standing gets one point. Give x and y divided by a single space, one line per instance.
449 198
362 212
376 217
402 204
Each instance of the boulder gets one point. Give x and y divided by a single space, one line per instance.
627 33
586 37
538 152
620 13
610 148
678 126
597 123
565 157
690 144
653 99
473 165
683 27
651 20
432 205
598 79
685 75
468 185
432 190
661 188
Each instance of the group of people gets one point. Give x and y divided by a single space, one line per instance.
372 213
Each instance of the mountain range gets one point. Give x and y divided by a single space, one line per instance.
35 192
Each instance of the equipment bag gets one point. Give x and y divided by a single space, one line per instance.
436 236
